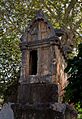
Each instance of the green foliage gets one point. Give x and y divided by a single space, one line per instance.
9 62
11 91
79 109
74 69
15 15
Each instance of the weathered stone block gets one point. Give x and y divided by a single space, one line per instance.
38 93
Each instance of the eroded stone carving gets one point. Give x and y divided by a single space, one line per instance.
59 107
6 111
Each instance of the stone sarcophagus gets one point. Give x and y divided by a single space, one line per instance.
42 77
43 59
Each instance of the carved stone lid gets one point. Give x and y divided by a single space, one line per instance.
40 16
56 32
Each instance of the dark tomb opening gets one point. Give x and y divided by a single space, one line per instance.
33 62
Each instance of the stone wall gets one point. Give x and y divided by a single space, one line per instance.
44 111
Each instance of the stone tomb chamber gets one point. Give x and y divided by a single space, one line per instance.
42 77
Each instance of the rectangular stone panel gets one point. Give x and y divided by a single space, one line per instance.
38 93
